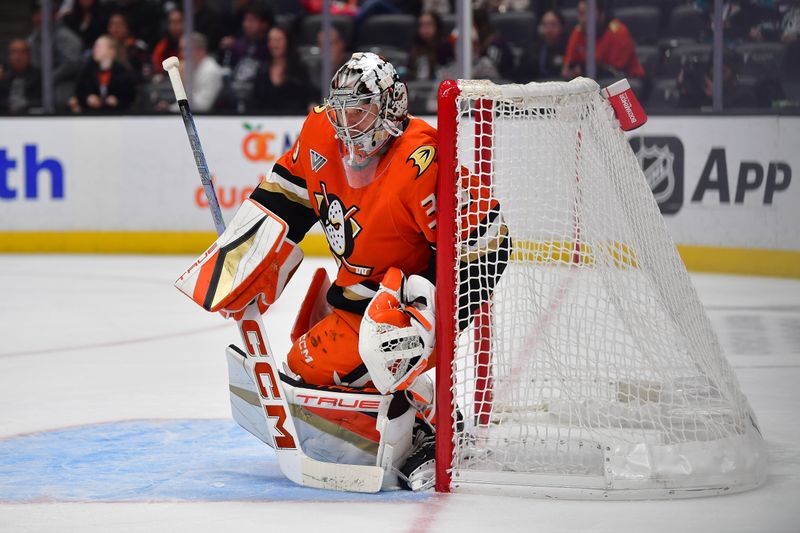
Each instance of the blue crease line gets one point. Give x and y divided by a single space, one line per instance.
154 461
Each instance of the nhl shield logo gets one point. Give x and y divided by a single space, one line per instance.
661 159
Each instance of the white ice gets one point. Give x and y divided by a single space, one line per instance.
96 339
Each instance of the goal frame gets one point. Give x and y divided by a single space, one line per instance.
533 485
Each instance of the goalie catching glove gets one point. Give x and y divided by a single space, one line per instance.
251 260
397 332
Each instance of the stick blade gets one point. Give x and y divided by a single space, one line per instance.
335 476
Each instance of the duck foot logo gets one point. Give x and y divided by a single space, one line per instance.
341 229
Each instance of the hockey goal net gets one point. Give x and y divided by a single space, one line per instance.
592 369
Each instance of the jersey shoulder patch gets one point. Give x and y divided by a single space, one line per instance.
422 158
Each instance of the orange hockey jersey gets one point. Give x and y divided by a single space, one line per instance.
389 222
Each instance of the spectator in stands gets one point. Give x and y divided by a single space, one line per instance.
232 23
502 6
790 24
370 8
281 85
339 52
790 35
431 50
615 51
20 82
339 56
210 23
143 17
105 85
441 7
170 43
482 65
547 59
491 46
245 54
88 19
207 76
744 20
67 50
132 52
696 88
338 7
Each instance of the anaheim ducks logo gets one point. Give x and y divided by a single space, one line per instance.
341 229
422 158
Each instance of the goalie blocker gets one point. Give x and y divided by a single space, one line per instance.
251 260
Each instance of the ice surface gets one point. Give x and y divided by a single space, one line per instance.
115 416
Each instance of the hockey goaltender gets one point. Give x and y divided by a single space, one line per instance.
355 383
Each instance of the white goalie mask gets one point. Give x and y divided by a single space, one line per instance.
367 105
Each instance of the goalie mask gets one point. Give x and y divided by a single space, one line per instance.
367 105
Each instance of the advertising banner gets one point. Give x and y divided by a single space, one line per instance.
724 181
721 182
129 174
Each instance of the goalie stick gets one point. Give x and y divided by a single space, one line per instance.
294 464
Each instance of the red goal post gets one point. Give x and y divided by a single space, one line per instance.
592 370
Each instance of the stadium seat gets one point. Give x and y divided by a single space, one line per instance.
516 27
663 97
570 18
686 21
448 23
761 59
387 30
287 21
791 89
422 97
620 4
312 24
650 58
286 6
313 63
676 57
643 22
637 84
240 96
397 57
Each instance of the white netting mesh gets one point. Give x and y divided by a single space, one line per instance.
594 365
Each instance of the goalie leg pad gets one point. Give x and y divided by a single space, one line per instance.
333 424
251 260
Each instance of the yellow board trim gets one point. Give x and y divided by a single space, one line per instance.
128 242
751 261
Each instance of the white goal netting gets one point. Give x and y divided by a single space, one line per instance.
592 370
